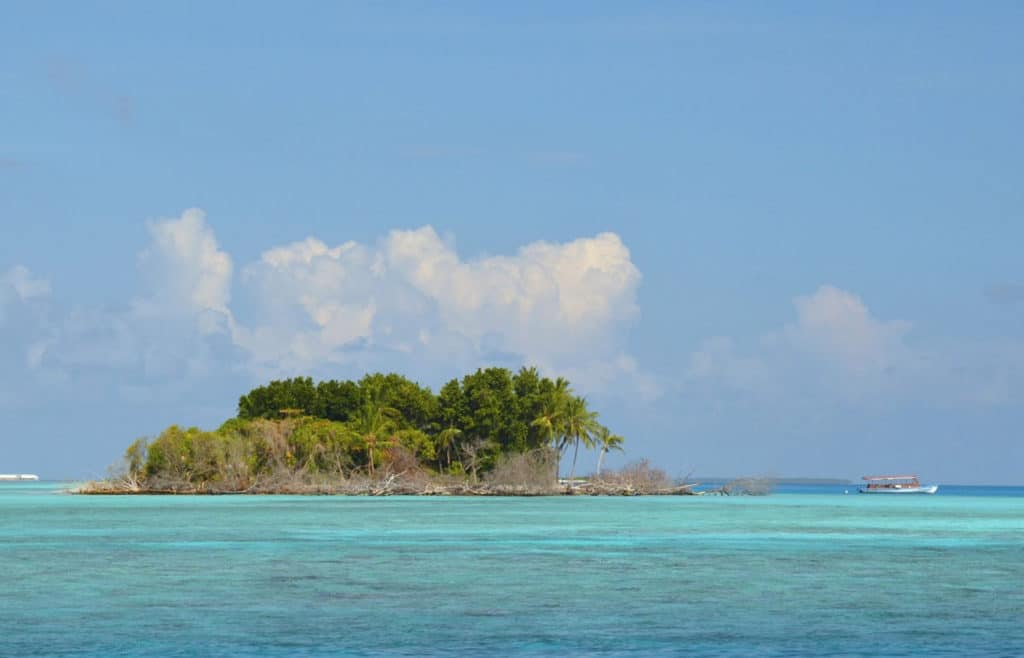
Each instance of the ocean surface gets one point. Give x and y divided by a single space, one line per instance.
804 571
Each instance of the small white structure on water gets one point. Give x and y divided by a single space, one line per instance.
23 477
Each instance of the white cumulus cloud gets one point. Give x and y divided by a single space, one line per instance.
187 271
165 332
407 301
558 305
310 300
835 347
545 300
837 325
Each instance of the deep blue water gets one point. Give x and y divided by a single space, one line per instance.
811 573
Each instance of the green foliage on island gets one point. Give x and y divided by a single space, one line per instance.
295 431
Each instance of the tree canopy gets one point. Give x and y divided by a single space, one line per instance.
371 426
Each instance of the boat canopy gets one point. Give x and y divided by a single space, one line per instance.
885 478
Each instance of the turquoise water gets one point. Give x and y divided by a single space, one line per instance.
784 575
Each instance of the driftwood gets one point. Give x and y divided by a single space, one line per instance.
518 477
602 488
743 487
395 484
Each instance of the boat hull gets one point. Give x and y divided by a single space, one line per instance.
905 490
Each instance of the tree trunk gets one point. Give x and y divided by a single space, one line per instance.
600 458
572 471
557 449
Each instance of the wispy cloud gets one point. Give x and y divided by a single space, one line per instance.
71 79
24 327
837 350
19 283
837 325
1005 293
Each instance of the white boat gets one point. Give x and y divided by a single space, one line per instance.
896 484
18 477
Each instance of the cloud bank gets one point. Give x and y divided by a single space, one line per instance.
309 308
410 301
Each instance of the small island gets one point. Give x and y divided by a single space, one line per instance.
494 432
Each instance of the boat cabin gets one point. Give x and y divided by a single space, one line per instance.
892 482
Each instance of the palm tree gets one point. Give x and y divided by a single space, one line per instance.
372 424
550 421
579 426
608 442
446 441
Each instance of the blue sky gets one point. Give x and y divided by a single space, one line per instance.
762 238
